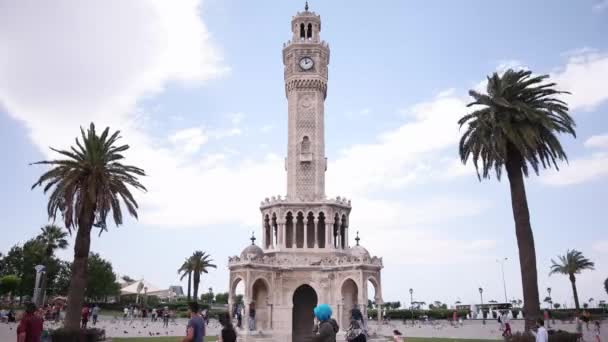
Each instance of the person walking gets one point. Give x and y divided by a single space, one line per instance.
195 331
31 325
541 334
228 334
328 327
239 317
397 336
507 322
95 313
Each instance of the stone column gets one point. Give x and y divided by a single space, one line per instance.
316 223
346 237
328 235
281 234
379 307
305 233
293 235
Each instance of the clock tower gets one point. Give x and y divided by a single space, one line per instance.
305 58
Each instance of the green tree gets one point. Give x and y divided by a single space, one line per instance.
61 284
85 187
573 262
556 305
221 298
206 298
9 284
201 263
101 281
186 270
515 125
52 238
606 285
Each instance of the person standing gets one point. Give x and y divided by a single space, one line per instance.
228 334
541 333
252 316
328 327
95 313
195 331
166 317
31 325
239 317
507 322
84 317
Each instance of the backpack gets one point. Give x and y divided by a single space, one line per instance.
354 331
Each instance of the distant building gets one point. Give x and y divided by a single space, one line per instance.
177 289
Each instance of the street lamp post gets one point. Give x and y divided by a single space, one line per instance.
483 315
550 299
502 268
412 304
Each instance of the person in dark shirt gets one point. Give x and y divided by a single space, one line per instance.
30 326
196 326
252 317
228 334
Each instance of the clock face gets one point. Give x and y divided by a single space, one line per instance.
306 63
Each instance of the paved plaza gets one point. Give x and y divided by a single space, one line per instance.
469 330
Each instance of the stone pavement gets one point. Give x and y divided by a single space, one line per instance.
470 329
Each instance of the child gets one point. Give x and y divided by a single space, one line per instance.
596 329
397 336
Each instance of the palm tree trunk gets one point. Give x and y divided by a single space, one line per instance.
196 281
574 291
78 280
525 238
189 283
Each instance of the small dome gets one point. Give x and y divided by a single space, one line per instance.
252 251
359 251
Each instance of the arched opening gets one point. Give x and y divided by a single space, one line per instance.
310 230
343 226
259 303
267 233
237 292
309 33
304 301
321 231
289 238
302 30
300 230
275 230
336 231
305 148
372 296
350 294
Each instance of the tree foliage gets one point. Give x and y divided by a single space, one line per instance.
570 264
9 284
221 298
101 281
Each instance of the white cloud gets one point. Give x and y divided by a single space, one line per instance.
65 63
578 171
189 140
600 246
597 141
401 156
584 75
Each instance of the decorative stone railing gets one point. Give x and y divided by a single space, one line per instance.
304 261
305 41
283 200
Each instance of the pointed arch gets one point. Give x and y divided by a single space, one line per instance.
309 31
289 233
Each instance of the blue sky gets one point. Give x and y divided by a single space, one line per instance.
197 89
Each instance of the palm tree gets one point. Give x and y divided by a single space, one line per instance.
201 262
186 270
52 238
606 285
570 264
515 126
86 187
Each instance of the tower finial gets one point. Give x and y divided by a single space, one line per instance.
357 238
306 6
252 238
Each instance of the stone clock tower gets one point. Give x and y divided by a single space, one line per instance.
305 257
305 59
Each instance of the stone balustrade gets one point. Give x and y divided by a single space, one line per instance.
304 261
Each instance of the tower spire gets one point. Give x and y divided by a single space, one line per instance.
306 6
252 238
357 238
